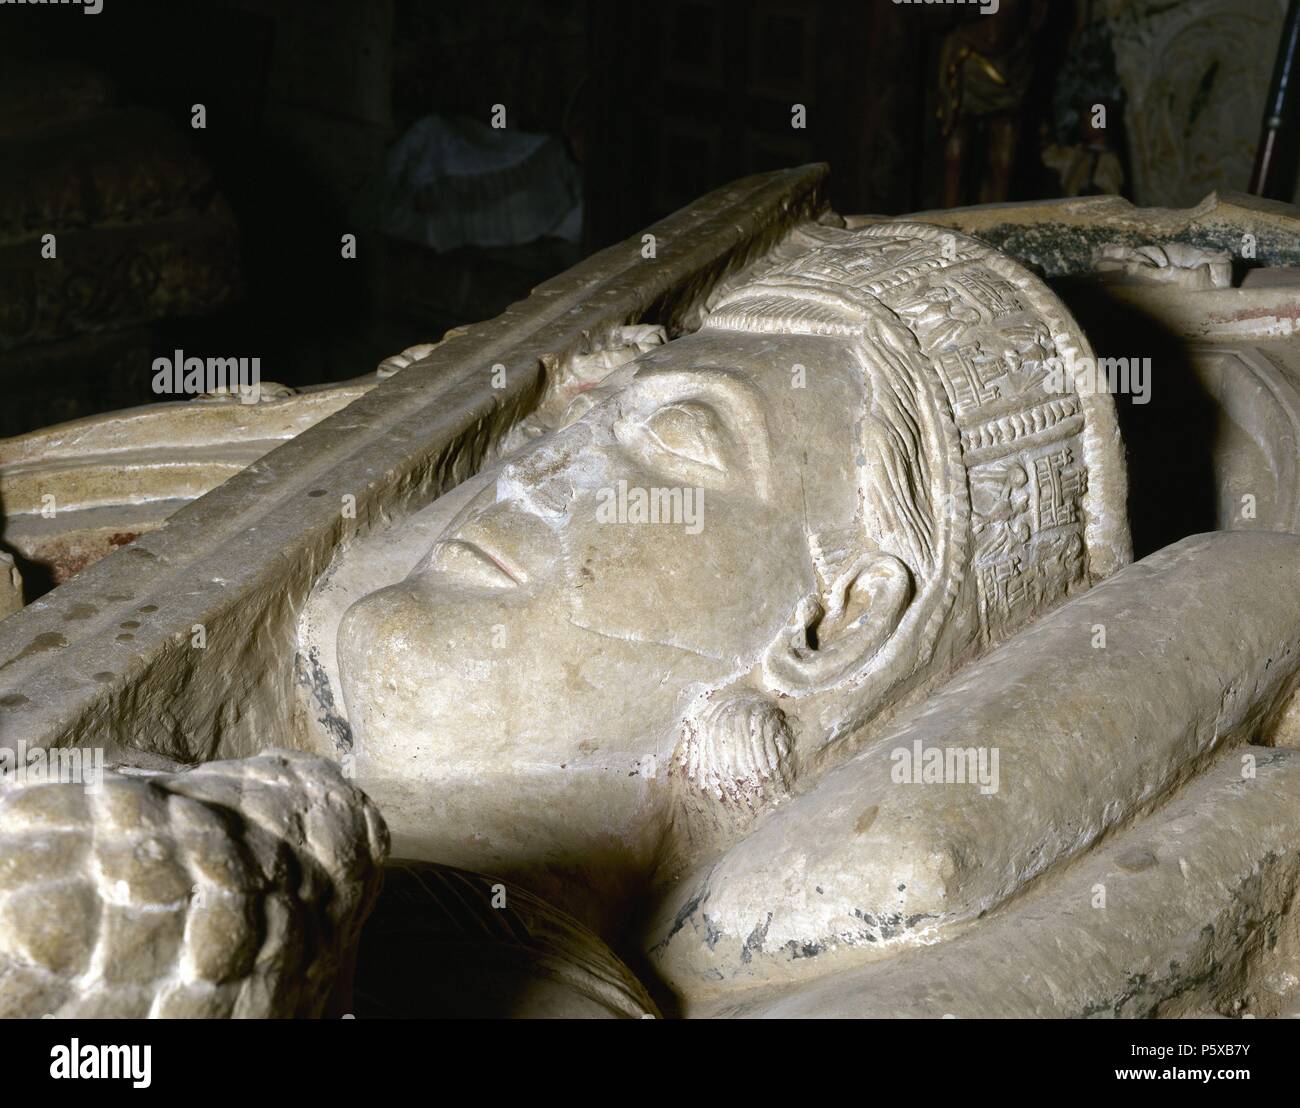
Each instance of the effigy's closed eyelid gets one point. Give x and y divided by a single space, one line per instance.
688 430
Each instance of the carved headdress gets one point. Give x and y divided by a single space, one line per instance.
987 466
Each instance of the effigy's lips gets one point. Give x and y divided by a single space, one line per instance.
1090 718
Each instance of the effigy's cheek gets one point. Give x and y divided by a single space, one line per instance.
709 573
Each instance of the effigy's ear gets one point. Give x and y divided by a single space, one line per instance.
834 636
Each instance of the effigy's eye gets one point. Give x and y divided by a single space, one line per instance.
687 430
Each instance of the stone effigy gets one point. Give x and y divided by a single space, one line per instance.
885 482
896 851
776 623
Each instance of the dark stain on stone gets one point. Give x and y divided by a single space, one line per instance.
103 676
888 926
711 933
79 611
683 914
48 640
867 818
1058 249
1136 860
311 674
14 700
125 637
147 608
803 950
130 624
754 944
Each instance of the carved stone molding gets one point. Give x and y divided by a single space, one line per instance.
1197 75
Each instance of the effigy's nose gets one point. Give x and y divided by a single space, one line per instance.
543 480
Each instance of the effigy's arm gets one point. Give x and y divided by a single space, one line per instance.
1087 721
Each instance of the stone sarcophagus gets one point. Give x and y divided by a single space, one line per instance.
755 606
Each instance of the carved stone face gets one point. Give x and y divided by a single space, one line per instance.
553 636
730 554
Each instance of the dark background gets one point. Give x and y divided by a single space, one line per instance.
226 241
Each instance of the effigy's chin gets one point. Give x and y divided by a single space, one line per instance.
501 758
429 692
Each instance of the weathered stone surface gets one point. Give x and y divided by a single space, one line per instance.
1059 237
11 586
1188 267
906 548
118 167
887 479
74 492
1191 912
1078 725
1196 78
133 896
